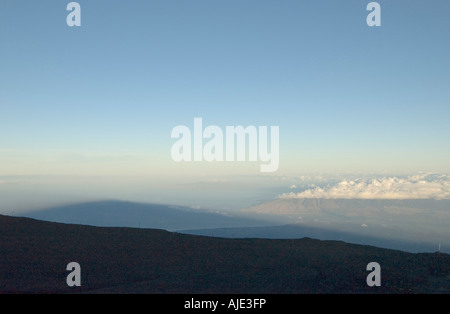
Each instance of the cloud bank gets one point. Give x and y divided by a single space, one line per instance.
422 186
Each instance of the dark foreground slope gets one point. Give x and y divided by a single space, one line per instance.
34 256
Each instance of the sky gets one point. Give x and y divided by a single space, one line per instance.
102 99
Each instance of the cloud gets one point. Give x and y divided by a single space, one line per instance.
421 186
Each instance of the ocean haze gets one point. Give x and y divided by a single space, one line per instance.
425 220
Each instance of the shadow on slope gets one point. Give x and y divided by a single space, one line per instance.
139 215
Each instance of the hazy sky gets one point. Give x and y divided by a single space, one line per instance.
103 98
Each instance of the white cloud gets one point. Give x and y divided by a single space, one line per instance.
422 186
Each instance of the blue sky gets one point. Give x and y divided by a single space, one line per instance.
102 99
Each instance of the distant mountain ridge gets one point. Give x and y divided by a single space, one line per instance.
411 220
297 231
34 255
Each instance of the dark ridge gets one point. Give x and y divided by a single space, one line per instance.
296 231
34 255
